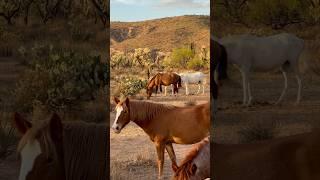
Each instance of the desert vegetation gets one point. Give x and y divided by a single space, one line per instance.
53 58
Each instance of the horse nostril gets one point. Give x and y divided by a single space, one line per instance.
117 128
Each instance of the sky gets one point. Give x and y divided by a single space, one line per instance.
139 10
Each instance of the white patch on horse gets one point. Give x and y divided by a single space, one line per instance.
29 154
119 110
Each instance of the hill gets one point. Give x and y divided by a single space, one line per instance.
164 34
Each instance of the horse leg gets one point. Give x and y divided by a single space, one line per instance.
199 87
249 93
202 88
299 80
244 83
172 156
165 91
187 90
172 89
284 73
160 152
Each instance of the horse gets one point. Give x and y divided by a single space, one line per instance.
250 52
164 124
51 150
163 79
196 165
193 78
219 56
294 158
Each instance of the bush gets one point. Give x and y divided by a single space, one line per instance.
197 63
179 58
259 131
7 135
59 79
131 86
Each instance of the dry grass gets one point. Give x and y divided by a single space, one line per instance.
126 169
259 131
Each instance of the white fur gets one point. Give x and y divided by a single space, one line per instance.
250 52
29 153
193 78
119 110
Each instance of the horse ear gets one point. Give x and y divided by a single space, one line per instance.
56 128
20 123
116 100
193 169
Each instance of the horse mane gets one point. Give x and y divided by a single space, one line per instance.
39 130
85 150
146 111
183 172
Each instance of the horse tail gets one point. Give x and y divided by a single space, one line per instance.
223 64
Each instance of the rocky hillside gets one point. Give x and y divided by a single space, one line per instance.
164 34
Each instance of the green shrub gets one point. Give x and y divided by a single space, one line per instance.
179 58
131 86
59 79
196 63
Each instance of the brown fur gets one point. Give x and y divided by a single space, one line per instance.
83 149
163 79
185 170
167 124
288 158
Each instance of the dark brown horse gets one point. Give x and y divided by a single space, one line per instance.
196 164
219 56
288 158
165 124
165 79
51 150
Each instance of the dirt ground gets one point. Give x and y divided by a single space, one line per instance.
132 153
267 87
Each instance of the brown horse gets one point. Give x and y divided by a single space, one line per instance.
165 124
196 165
71 151
288 158
165 79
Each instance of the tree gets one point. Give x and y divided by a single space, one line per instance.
9 9
48 9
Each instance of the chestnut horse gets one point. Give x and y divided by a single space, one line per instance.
165 124
288 158
165 79
196 165
51 150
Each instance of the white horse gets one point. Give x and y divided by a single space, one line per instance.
193 78
250 52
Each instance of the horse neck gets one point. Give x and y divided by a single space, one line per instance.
143 112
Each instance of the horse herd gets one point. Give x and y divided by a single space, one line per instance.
53 150
175 80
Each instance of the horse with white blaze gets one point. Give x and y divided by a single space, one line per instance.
250 53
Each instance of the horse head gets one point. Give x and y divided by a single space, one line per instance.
40 149
122 114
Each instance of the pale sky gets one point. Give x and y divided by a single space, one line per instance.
139 10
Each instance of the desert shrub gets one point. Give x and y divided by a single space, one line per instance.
197 63
259 131
179 58
96 111
59 79
79 34
130 86
7 135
